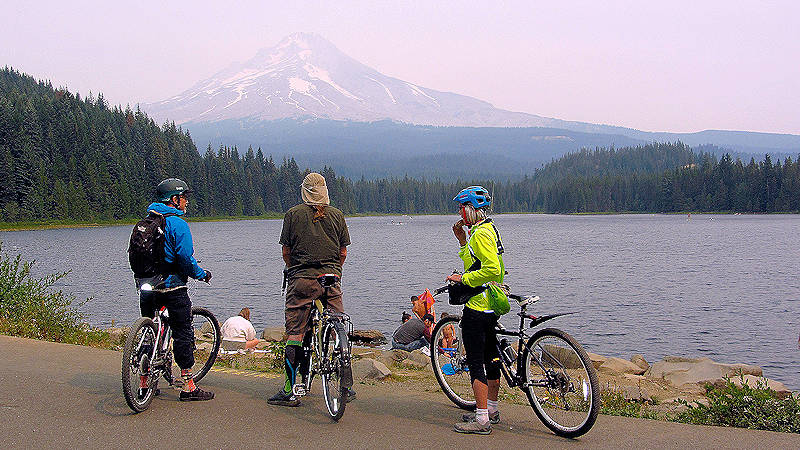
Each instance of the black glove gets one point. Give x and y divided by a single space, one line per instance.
206 278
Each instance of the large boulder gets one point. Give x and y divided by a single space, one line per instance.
418 357
367 352
564 356
690 371
274 334
371 338
640 361
410 363
394 357
597 360
619 365
369 369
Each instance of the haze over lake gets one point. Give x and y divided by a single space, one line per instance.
721 286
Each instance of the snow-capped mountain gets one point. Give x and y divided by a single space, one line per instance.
307 76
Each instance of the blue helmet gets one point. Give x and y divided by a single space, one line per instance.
477 196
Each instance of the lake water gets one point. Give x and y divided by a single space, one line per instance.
722 286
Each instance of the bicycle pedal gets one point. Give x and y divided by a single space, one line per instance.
299 390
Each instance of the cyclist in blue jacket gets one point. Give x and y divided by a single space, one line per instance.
169 289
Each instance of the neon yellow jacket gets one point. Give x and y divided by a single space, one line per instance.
483 242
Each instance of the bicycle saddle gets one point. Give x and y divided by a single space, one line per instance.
524 301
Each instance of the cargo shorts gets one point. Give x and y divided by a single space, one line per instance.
300 296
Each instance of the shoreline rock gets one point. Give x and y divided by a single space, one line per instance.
635 379
369 338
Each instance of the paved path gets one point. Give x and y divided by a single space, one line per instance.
64 396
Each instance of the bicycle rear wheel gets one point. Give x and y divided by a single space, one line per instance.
207 339
560 382
335 363
449 361
136 363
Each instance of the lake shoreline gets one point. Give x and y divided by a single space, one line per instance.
52 225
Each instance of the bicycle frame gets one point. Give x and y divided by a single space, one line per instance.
513 377
510 372
158 356
319 316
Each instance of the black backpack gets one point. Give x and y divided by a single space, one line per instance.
146 248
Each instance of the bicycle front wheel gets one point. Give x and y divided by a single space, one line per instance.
560 382
136 364
335 363
207 339
449 362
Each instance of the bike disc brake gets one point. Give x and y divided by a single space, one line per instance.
299 389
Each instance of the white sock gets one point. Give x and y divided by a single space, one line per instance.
482 416
492 406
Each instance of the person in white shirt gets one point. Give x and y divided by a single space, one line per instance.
239 332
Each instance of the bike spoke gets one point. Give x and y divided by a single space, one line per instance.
559 380
450 363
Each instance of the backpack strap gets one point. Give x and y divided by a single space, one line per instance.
500 250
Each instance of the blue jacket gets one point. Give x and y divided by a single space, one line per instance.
178 248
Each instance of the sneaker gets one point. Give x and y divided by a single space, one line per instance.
196 395
284 399
472 428
351 395
493 418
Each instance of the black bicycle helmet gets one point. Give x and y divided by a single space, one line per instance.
170 187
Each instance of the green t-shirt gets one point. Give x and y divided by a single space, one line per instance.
314 245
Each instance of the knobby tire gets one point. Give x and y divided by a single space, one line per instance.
334 348
565 358
129 352
456 385
216 339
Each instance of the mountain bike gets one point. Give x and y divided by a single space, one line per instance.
148 353
550 366
327 353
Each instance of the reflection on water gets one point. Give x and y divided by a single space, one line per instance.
725 287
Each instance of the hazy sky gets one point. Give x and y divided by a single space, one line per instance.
682 66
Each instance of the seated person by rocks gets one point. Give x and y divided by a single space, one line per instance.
238 333
411 335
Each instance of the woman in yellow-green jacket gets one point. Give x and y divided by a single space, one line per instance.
482 253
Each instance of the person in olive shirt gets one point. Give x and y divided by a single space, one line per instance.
314 240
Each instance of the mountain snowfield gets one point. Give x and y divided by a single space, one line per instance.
307 76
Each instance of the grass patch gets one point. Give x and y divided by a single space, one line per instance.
272 361
30 307
755 407
613 403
